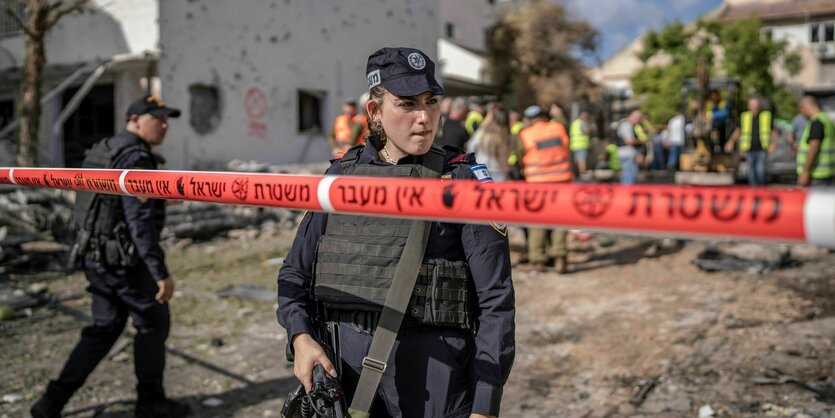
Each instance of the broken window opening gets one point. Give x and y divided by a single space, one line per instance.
204 108
310 110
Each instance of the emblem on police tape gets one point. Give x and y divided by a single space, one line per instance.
239 188
416 61
593 201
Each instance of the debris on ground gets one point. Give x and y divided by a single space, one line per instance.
713 259
825 391
36 229
621 328
248 292
212 402
203 221
644 389
12 398
706 411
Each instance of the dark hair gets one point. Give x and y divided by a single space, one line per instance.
376 134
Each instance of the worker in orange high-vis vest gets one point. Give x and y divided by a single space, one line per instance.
546 159
349 129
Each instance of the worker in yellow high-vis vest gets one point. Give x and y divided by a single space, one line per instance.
816 150
580 140
757 138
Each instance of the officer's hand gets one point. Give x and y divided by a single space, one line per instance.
481 416
308 354
166 290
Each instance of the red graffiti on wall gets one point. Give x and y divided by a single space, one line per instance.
256 106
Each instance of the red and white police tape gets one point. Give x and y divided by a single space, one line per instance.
775 214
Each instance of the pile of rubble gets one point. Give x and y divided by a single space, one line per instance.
37 228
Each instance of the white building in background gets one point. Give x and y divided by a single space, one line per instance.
462 46
257 80
808 26
264 80
122 35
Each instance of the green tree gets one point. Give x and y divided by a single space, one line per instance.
532 55
40 16
747 56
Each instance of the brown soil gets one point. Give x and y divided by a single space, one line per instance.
587 341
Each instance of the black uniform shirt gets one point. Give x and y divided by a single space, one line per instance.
815 131
145 217
756 144
483 247
454 134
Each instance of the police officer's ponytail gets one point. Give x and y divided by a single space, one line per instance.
376 133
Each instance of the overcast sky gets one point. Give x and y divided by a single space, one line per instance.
621 21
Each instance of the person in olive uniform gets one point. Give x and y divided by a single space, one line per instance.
122 285
343 263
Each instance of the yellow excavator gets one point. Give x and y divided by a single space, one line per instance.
711 107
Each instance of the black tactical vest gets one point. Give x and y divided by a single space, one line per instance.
357 256
101 215
101 155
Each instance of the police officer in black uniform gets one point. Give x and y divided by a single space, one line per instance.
125 267
456 345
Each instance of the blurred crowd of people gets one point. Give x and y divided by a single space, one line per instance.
487 128
543 145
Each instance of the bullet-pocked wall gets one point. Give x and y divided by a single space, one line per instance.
263 79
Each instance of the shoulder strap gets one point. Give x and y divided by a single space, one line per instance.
350 158
397 299
119 154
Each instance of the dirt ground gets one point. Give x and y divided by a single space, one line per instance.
633 331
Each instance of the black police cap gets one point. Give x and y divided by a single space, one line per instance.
153 105
403 72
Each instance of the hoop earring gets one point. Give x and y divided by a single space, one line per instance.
377 128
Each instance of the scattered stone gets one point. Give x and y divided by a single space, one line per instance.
275 261
248 292
36 288
706 411
212 402
43 247
12 398
118 349
121 357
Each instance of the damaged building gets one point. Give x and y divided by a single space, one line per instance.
264 82
258 82
97 62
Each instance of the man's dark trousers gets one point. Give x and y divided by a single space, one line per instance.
118 293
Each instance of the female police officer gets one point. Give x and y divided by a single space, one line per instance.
455 348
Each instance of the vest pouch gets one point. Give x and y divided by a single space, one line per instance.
442 296
119 249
